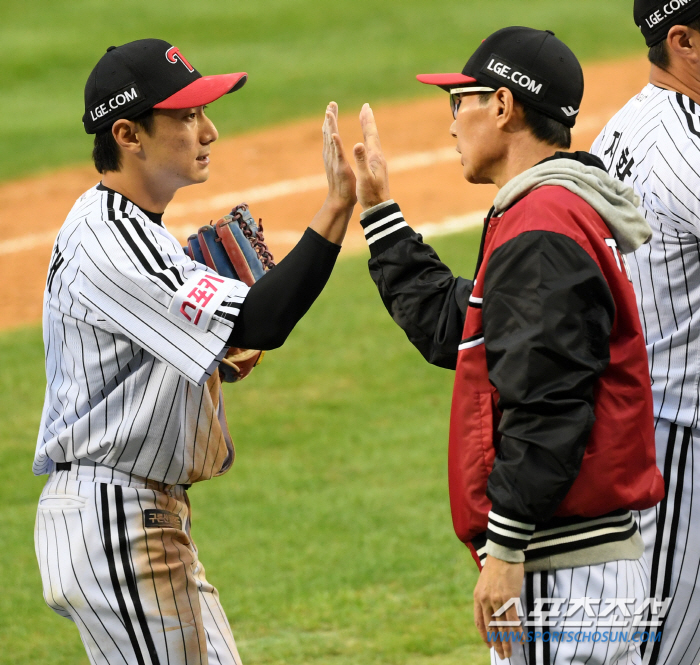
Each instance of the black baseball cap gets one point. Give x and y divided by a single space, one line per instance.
148 73
539 69
656 17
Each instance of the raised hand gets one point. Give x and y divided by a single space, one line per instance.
341 179
331 221
372 173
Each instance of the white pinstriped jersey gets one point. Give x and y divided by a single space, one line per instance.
133 331
653 143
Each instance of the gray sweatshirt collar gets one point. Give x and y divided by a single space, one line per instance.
614 201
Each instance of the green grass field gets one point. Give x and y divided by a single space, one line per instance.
300 54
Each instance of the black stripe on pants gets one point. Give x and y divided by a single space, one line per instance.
677 504
109 551
545 626
530 607
128 574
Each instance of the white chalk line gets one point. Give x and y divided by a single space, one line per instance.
283 188
447 226
310 183
28 242
453 224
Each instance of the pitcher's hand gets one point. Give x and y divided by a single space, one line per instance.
372 174
331 221
341 179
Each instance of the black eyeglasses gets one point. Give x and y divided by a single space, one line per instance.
456 96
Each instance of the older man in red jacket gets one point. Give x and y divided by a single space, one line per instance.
551 436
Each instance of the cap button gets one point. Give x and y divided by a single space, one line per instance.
550 32
110 48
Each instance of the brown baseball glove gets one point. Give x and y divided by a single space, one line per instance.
234 247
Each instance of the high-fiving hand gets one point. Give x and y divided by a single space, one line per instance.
332 219
341 179
372 174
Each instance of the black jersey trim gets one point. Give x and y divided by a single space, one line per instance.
57 263
155 217
141 258
154 252
689 117
119 224
226 316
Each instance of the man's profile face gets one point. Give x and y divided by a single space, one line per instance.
477 137
177 150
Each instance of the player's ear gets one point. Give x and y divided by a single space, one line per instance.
684 42
126 134
505 108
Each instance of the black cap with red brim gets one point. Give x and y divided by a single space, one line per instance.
148 73
539 69
447 81
203 91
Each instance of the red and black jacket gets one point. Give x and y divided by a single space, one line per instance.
551 433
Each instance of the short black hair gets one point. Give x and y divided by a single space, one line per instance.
105 151
546 129
659 55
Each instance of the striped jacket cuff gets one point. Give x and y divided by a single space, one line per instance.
509 533
384 226
504 553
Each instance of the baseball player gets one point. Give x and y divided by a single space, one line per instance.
551 434
134 331
653 145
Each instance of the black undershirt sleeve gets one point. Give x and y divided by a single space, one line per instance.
278 300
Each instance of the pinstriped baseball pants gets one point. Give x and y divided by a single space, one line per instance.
671 532
615 579
118 561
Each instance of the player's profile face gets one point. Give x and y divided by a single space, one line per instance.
473 128
177 150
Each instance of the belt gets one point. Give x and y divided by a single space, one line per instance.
66 466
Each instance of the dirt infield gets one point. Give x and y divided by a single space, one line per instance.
280 173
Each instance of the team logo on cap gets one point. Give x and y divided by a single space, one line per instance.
524 81
570 111
665 12
173 55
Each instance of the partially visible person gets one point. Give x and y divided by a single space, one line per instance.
653 145
551 433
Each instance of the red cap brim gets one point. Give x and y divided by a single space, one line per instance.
204 91
446 80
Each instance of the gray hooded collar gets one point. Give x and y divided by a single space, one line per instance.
614 201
